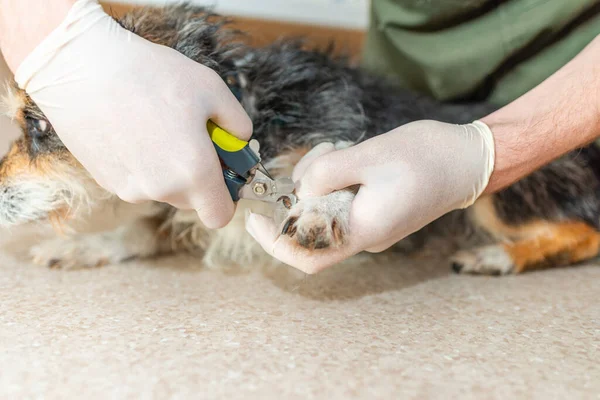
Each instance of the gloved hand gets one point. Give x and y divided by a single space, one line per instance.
134 113
409 177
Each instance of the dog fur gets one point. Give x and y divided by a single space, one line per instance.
297 98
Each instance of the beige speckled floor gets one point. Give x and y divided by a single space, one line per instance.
170 329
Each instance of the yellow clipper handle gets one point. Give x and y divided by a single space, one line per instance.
237 156
225 140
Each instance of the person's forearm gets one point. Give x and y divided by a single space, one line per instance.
559 115
25 23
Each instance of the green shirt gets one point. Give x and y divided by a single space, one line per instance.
492 50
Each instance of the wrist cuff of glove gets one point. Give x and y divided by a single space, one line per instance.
82 16
488 155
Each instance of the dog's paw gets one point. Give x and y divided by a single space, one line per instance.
78 252
488 260
320 222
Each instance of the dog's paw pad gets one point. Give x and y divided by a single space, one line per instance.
488 260
319 223
314 231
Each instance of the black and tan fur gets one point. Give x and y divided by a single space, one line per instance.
296 98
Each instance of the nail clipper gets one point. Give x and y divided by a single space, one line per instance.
245 176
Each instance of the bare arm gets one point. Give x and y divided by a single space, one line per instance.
25 23
559 115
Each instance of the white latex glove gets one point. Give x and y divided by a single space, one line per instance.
134 113
409 177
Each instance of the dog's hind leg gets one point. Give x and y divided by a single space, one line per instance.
139 239
521 248
563 244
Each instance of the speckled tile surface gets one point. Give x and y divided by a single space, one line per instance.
171 329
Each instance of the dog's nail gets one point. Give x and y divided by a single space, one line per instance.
457 267
286 226
289 227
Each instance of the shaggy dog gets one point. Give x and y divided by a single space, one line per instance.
297 98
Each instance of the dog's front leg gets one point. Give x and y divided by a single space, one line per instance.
139 239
